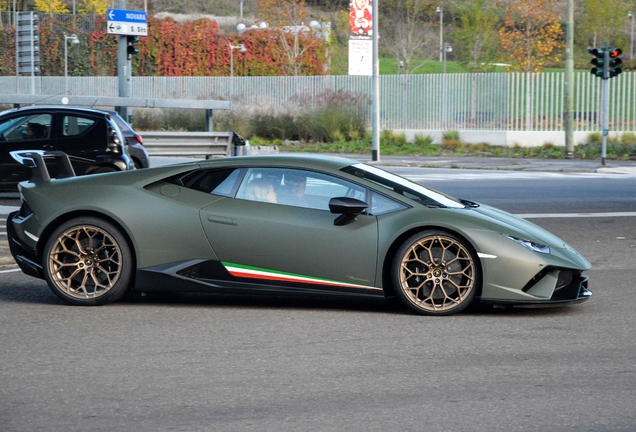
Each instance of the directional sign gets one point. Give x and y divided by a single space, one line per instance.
127 22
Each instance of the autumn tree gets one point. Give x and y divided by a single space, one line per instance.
406 30
531 34
51 7
600 22
475 38
94 7
287 18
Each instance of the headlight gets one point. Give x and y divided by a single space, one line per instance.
530 245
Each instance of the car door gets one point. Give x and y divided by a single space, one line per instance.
293 242
82 136
22 131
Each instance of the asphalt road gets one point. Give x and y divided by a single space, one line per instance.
210 362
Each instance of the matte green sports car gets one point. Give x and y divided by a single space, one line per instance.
281 224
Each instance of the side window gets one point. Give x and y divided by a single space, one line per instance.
73 125
381 205
217 182
26 128
298 188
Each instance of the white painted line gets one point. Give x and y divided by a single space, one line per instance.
10 271
575 215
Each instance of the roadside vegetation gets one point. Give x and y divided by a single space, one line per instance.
334 129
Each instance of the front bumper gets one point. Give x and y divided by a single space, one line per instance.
23 255
575 292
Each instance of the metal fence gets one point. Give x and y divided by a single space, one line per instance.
489 102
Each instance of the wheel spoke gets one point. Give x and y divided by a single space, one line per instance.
85 262
437 273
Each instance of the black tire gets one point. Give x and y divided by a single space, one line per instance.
435 273
87 262
103 169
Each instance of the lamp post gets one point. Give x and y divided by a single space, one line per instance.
74 39
242 49
631 43
440 11
239 47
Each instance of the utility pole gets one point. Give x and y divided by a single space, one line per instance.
123 67
569 81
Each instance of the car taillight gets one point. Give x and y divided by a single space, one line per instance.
114 143
139 139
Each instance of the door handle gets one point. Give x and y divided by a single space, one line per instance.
223 220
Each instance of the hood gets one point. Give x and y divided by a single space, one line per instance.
528 230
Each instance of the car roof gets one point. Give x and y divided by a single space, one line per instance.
58 108
307 161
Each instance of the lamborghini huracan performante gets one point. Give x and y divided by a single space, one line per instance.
281 225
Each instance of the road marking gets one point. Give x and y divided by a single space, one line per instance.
574 215
10 271
507 175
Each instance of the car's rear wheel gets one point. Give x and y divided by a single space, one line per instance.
102 169
434 273
87 261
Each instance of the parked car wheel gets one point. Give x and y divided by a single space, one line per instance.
102 169
434 273
87 262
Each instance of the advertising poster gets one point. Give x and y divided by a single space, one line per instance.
360 43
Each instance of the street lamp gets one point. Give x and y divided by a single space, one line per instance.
239 47
631 44
74 39
447 49
440 11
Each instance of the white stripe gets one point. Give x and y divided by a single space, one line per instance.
575 215
484 255
10 271
507 175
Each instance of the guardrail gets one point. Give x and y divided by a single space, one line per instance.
193 144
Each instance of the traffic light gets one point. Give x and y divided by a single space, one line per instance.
599 61
615 62
606 62
131 49
28 43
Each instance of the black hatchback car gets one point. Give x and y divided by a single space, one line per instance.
90 137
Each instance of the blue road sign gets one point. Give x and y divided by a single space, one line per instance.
127 22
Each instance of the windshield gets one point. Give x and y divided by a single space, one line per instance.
8 125
404 187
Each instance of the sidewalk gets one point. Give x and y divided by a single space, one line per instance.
506 164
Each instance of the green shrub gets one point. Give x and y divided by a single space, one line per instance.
423 140
450 136
628 138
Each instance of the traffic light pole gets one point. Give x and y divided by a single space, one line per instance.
605 102
123 67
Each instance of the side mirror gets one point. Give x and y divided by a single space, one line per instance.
347 208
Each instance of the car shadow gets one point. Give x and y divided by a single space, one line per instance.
37 292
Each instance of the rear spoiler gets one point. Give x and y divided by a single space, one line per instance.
36 160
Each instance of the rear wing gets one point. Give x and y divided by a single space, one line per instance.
36 160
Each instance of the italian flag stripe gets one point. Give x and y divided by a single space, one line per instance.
239 270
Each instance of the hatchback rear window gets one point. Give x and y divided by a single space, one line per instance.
73 125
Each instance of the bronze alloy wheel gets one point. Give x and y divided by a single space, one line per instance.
87 263
435 274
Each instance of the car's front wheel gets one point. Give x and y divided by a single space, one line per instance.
87 262
435 273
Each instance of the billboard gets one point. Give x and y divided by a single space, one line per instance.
360 33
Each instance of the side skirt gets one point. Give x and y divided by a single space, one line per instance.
214 277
